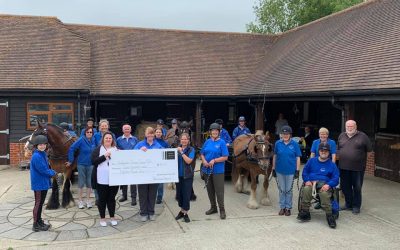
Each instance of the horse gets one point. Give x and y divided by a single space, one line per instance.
252 156
58 155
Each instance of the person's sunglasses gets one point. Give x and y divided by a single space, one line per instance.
89 132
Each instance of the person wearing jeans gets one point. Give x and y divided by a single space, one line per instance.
85 146
286 165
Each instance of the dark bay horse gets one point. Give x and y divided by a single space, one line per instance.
252 156
58 155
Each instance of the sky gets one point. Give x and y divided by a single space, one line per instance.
204 15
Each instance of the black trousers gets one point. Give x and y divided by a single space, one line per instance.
351 183
106 199
133 189
147 198
40 197
184 191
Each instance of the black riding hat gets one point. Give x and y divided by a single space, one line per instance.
174 121
90 119
160 121
214 126
40 139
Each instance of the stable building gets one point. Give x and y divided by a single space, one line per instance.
346 65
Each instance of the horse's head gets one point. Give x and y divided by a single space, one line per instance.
263 149
40 130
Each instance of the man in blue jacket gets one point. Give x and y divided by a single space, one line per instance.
241 129
319 175
127 142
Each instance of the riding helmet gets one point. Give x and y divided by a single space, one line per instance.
241 118
90 119
215 126
40 139
174 121
160 121
219 121
64 125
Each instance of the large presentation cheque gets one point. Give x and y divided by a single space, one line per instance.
139 167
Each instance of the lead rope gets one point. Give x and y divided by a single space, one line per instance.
291 187
208 177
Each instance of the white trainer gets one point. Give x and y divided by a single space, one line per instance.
103 223
89 204
81 205
114 222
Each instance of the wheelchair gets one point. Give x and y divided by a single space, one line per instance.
315 202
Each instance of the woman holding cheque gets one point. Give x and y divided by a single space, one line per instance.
100 160
147 192
186 154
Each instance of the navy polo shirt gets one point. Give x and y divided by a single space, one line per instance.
286 155
163 143
214 149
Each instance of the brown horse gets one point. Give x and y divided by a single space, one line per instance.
252 156
58 155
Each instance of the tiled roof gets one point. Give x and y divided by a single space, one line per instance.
42 53
134 61
356 49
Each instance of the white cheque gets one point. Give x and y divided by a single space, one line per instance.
139 167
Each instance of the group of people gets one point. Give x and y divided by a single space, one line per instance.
320 174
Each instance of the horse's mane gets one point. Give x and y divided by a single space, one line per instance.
58 129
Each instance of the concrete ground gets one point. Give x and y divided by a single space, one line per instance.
378 225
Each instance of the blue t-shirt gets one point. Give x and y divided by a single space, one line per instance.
144 143
240 131
315 144
286 157
224 135
181 163
214 149
326 171
163 143
126 143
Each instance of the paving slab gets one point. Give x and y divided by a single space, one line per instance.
72 235
46 236
17 233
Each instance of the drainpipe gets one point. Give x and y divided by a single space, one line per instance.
79 112
341 108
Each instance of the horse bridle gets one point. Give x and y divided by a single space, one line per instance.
51 152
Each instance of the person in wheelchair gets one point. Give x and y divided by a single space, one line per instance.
320 176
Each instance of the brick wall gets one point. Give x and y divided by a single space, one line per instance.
17 153
370 169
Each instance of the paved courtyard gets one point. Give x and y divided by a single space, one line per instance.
378 225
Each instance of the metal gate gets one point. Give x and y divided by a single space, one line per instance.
387 156
4 133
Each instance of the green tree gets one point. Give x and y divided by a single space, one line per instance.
275 16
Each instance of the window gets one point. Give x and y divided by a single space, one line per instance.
49 112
